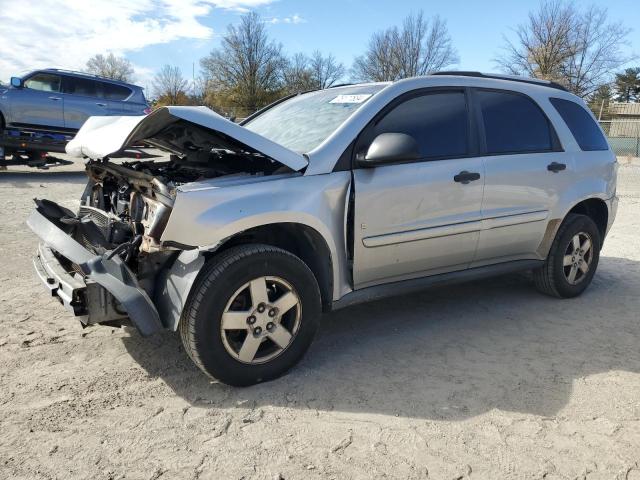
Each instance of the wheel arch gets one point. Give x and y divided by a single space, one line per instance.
597 210
593 207
300 239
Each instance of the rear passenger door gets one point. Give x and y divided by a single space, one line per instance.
421 217
82 99
525 173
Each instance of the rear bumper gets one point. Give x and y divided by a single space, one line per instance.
107 291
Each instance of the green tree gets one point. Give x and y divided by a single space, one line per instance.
599 102
628 85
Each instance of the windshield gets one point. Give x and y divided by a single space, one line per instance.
305 121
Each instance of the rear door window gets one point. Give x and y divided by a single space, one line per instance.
583 127
44 82
115 92
438 121
81 86
513 123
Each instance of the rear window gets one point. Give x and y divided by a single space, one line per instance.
513 123
583 127
115 92
80 86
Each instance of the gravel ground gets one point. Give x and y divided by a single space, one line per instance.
484 380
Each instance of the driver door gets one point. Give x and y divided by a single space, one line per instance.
39 102
421 217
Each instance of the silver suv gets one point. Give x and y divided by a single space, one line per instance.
61 100
245 234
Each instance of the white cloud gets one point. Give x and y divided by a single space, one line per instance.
293 19
66 33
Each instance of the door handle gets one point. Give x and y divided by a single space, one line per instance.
556 167
465 177
55 98
101 104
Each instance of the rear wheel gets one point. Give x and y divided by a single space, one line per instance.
252 314
572 260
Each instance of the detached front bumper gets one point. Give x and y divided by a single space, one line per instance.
91 295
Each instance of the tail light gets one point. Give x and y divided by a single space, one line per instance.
147 110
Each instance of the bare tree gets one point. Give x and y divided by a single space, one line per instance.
297 74
325 71
560 42
169 86
421 46
110 66
248 64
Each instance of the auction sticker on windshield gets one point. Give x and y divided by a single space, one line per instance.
351 98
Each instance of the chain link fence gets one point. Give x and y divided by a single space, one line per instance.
623 136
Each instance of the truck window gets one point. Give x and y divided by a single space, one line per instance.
44 82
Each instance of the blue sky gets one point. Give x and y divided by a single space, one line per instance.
152 33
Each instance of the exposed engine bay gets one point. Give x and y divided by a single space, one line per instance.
130 202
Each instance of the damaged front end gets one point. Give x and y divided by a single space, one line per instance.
107 263
94 283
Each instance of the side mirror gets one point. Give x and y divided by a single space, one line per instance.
390 148
16 82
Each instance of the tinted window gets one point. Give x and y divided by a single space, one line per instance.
44 82
438 122
513 123
582 125
81 86
115 92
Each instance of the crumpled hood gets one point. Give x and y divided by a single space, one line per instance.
100 137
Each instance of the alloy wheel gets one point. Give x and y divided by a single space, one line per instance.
577 258
261 320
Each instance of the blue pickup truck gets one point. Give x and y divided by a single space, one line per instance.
43 109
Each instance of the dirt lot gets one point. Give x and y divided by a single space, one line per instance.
486 380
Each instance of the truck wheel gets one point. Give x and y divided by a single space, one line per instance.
572 260
252 314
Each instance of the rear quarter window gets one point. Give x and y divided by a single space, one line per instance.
582 125
115 92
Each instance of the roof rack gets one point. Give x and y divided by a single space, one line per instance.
513 78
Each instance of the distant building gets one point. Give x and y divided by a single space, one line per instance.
625 120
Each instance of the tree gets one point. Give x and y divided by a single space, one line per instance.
599 101
421 46
577 48
628 85
325 71
302 73
170 87
297 75
248 65
110 66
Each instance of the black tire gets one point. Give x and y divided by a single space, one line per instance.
551 278
201 327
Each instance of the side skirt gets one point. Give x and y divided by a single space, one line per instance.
403 287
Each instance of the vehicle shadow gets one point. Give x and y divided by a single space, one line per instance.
445 354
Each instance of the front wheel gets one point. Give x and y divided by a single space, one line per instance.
572 260
252 314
